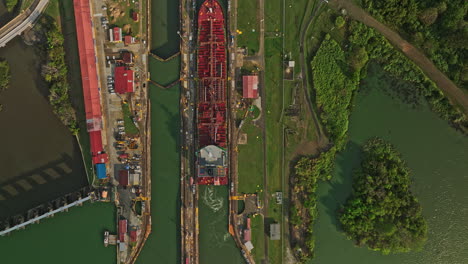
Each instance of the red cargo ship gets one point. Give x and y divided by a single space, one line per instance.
212 157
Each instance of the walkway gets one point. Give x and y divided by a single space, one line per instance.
454 93
51 213
22 22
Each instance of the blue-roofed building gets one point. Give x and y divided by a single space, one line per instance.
101 171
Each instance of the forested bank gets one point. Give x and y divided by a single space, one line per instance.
5 77
382 213
54 70
439 28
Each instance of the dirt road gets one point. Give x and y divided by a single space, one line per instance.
454 93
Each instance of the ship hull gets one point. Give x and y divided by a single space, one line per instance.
211 92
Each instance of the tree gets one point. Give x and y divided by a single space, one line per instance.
382 213
339 22
11 4
429 16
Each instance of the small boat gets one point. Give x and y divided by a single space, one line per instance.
106 238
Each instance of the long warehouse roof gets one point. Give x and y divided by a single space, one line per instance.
87 55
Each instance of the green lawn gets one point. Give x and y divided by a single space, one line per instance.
258 236
53 10
248 24
278 96
273 15
127 7
274 102
130 127
250 159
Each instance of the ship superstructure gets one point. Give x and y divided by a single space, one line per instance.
212 157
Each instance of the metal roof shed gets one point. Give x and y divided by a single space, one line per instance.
101 171
275 231
250 86
123 177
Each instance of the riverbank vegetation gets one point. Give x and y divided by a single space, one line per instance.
436 27
375 46
382 213
333 100
5 75
10 4
54 71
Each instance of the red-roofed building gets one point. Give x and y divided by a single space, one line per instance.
247 231
115 34
135 16
129 40
123 177
123 80
95 141
133 235
122 229
92 100
127 57
250 86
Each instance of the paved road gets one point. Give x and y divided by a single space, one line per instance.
454 93
22 22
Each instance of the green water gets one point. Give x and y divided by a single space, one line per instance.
164 26
163 243
73 237
216 244
164 72
438 158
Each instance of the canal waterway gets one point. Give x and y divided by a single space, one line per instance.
73 237
40 158
437 156
216 244
163 244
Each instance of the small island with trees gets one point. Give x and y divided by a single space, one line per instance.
382 213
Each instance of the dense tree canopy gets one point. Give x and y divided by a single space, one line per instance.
10 4
55 72
382 212
438 27
333 95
